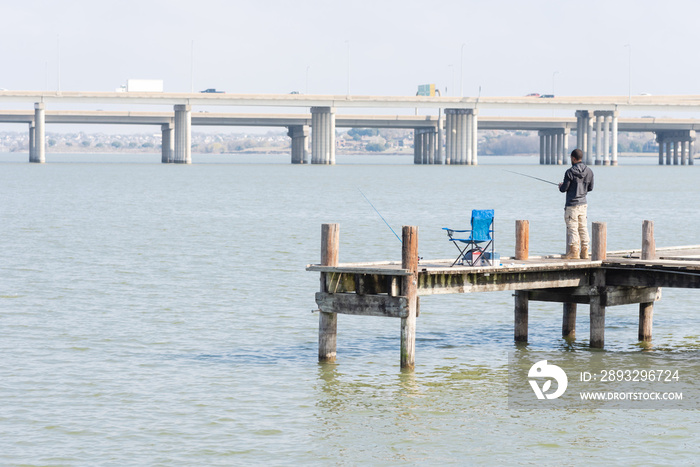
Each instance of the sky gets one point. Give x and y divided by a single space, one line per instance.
377 47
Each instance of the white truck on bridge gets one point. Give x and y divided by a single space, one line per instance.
142 85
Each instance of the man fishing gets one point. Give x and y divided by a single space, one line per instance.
578 181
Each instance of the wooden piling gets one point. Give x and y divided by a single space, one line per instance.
568 325
599 241
597 308
409 289
646 318
648 242
521 315
522 239
328 322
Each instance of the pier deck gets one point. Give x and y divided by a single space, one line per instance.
392 289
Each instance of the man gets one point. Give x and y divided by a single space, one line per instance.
578 181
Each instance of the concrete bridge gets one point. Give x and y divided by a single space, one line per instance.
596 122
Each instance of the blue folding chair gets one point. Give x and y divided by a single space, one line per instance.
480 239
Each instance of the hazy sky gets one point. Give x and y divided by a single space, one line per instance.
512 47
267 46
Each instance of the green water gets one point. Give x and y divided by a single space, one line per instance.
161 315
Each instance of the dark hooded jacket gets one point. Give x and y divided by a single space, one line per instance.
578 181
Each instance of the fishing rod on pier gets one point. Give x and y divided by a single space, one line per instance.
530 176
375 209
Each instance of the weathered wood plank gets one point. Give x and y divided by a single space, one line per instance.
431 284
653 276
352 269
609 296
367 305
370 284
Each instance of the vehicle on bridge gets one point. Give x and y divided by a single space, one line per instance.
212 90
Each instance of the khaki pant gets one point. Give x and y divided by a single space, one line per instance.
576 218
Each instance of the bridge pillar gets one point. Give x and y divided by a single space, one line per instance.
691 151
166 131
450 133
599 117
676 147
323 135
613 154
461 142
38 155
417 146
300 143
684 152
32 135
440 147
554 146
606 137
584 135
424 146
182 153
544 146
475 136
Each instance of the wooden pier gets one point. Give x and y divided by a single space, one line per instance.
392 289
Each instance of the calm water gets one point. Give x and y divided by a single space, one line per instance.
160 314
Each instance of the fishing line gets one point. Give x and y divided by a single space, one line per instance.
375 209
530 176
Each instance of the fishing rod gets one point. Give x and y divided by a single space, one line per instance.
375 209
530 176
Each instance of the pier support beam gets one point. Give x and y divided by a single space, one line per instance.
597 308
300 143
646 310
409 289
568 324
323 135
167 137
521 315
646 319
328 322
39 154
182 153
